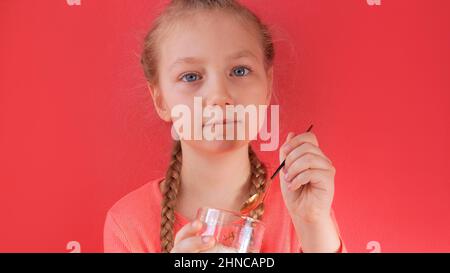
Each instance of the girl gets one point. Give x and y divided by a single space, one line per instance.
219 50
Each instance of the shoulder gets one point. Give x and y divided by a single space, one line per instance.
146 196
133 221
279 235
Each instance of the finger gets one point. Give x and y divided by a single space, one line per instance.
194 244
304 162
309 137
313 176
283 148
301 150
188 230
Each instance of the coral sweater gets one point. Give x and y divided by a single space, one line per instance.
133 223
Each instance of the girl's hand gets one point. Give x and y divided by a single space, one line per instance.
307 179
187 239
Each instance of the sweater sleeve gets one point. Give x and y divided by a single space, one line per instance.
114 239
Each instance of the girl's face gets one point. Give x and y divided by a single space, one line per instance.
218 58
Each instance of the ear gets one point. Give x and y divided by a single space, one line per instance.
269 84
159 103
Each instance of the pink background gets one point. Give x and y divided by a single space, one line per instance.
78 130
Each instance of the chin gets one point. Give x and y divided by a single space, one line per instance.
217 146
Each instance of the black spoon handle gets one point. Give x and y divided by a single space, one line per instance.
284 161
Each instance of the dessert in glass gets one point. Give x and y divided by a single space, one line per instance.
234 233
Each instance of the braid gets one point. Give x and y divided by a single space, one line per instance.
258 177
170 192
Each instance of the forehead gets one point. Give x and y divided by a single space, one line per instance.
210 35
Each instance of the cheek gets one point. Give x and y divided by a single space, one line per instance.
174 96
178 105
177 99
255 94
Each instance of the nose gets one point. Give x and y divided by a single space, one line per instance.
218 94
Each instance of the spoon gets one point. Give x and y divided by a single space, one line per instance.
256 199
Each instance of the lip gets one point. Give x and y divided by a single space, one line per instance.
224 122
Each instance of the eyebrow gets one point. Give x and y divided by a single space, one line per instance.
241 54
194 60
188 60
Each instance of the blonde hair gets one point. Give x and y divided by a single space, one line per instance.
149 60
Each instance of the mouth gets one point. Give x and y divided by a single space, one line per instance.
224 122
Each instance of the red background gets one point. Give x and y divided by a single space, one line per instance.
78 130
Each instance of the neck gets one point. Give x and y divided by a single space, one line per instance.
216 180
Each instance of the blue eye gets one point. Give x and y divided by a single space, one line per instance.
241 71
190 77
